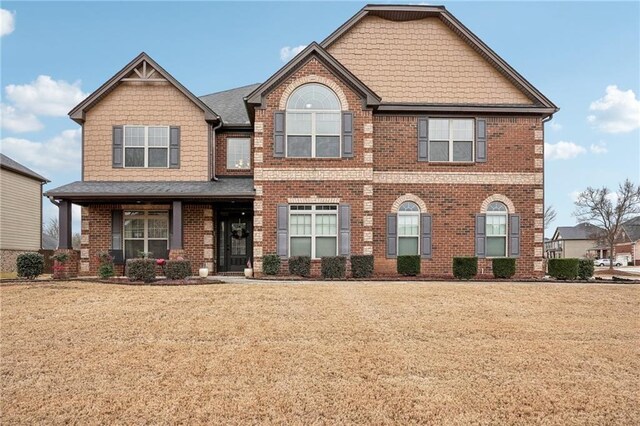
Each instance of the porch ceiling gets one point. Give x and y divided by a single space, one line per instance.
100 191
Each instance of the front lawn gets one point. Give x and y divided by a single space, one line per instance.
369 353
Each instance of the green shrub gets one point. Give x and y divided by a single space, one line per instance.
105 270
585 269
563 269
465 268
503 267
332 267
271 264
141 270
300 266
30 265
177 269
362 266
408 265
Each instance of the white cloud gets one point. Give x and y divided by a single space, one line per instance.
562 150
616 112
18 121
287 53
61 153
7 22
599 148
45 96
555 126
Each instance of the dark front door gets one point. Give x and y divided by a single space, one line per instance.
234 242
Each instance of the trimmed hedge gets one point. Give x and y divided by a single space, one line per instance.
30 265
503 267
408 265
362 266
141 270
332 267
271 264
585 269
300 266
177 269
563 269
465 268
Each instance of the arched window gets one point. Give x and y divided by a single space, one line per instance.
408 229
313 122
496 229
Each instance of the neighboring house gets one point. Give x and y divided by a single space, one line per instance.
574 242
20 211
400 133
628 247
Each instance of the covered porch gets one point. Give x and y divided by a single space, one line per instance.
207 223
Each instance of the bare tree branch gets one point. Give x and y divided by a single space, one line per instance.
549 216
51 228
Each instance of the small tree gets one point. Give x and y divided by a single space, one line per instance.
549 215
595 206
51 228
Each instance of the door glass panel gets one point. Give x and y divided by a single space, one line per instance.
221 246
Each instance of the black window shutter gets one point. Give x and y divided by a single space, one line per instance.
174 147
345 230
392 235
423 139
425 249
118 146
481 140
347 134
282 240
278 134
514 235
481 235
116 236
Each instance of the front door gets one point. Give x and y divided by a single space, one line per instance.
234 242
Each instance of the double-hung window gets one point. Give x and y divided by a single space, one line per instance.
313 123
451 140
408 229
146 232
496 229
238 154
313 230
146 146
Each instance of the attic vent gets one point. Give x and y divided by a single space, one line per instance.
144 72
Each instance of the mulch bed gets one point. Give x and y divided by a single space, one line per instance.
119 281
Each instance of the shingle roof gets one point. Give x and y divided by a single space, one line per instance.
229 104
632 228
582 231
10 164
222 188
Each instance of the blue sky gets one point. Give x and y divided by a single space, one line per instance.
583 56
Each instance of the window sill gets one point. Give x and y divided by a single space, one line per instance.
453 163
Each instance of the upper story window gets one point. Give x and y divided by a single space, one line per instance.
313 230
238 154
496 229
313 122
146 146
451 140
408 229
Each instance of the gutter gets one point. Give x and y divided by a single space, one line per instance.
213 150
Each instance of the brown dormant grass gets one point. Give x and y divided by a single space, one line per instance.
369 353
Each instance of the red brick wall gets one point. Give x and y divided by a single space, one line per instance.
221 154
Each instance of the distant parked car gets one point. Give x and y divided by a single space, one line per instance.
606 262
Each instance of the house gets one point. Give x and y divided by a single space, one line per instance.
400 133
20 211
575 242
628 247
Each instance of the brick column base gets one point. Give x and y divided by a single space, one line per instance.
176 254
68 269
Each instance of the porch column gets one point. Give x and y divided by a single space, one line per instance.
64 221
176 226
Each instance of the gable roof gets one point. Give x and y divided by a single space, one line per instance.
416 12
313 50
632 228
11 164
78 113
229 104
582 231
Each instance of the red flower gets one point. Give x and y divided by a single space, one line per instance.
160 262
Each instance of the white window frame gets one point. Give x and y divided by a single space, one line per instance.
145 147
504 213
145 216
315 209
236 140
408 214
451 141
